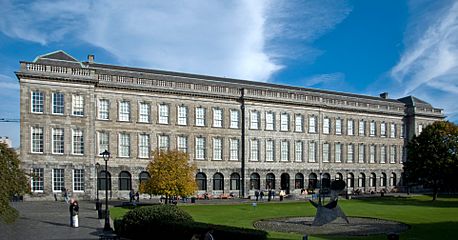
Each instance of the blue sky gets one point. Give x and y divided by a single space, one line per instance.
367 47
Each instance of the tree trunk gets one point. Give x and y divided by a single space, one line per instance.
435 192
166 199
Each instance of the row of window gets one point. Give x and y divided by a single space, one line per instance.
144 116
58 180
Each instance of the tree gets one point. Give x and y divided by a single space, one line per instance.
432 156
13 181
171 175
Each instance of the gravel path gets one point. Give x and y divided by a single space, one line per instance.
357 227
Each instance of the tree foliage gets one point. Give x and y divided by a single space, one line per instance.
432 157
12 181
171 174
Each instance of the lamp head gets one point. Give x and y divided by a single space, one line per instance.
105 154
97 165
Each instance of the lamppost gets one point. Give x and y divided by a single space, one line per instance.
106 156
97 166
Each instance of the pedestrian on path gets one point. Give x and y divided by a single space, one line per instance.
74 211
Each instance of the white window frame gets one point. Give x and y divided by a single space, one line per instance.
200 148
163 142
312 124
217 149
58 141
234 149
143 145
270 150
372 153
284 122
420 128
338 126
350 153
77 105
270 121
40 183
298 123
124 111
312 152
124 145
326 152
144 112
103 142
182 118
254 150
163 116
58 179
80 182
234 119
383 129
75 134
362 128
103 110
217 117
373 129
350 127
254 120
58 105
37 102
361 153
299 151
393 130
182 143
326 125
284 151
383 154
338 152
393 154
200 117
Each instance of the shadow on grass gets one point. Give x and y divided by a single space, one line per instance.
449 202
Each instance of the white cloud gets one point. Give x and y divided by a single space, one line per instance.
7 83
327 78
429 65
240 39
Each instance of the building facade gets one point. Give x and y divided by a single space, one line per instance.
242 135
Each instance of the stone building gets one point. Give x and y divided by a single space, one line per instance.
242 135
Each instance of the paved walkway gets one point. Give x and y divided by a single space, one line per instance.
51 220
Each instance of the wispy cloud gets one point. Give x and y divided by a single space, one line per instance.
328 78
429 65
242 39
6 83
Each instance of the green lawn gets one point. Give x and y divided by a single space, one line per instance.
429 220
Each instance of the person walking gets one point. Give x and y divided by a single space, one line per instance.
256 194
74 210
261 195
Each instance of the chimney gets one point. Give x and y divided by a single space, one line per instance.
384 95
90 58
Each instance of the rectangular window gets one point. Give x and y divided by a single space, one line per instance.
164 114
403 154
58 140
200 116
284 122
312 151
78 180
420 128
298 151
350 150
58 103
393 130
298 123
270 154
372 129
78 142
164 143
326 125
284 151
270 121
254 156
383 154
77 105
217 117
143 146
361 153
104 106
372 154
124 145
234 119
182 143
103 142
37 102
402 132
350 129
312 124
37 180
338 126
200 148
254 117
383 129
325 152
182 115
234 149
393 154
362 128
124 111
58 179
217 149
338 152
144 113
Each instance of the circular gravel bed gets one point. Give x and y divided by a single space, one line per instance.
357 226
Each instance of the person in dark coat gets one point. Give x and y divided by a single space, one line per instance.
256 194
74 209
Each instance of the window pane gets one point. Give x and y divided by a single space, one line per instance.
103 109
58 140
182 115
234 119
37 102
144 113
58 105
164 114
217 118
78 141
58 180
78 105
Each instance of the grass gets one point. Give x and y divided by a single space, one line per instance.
428 220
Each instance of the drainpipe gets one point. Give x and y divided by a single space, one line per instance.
242 107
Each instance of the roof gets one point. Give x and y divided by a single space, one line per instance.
413 101
58 57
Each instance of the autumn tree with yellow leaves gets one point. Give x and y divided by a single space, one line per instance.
171 175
